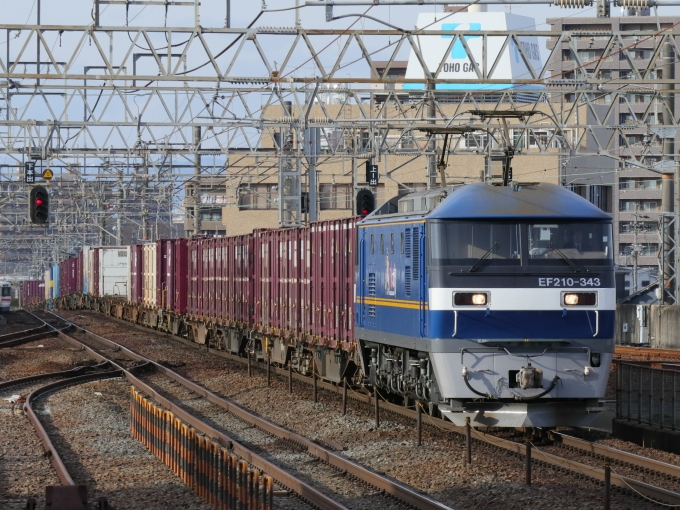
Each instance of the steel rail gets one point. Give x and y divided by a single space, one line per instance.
19 334
627 483
616 455
58 464
27 335
304 490
394 489
27 339
624 482
647 490
74 372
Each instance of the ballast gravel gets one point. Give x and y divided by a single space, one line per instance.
494 479
89 425
24 470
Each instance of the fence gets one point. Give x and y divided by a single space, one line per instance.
656 325
647 395
220 478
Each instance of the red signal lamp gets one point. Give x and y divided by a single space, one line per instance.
364 212
38 201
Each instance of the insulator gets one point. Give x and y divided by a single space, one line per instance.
634 3
286 120
573 4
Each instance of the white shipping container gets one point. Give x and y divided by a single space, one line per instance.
48 274
113 271
87 269
149 275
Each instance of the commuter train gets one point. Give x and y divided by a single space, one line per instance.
489 302
5 296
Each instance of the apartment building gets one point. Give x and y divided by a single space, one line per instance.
635 192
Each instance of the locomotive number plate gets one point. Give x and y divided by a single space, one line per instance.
568 282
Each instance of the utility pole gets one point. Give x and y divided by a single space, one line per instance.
119 210
637 226
667 191
432 145
145 209
197 180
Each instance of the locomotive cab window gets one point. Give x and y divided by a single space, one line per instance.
475 244
555 243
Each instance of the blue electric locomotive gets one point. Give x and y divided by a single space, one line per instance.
492 302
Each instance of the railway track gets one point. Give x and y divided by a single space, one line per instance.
42 330
646 352
174 394
631 464
38 386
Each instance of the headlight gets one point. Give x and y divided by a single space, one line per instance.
595 359
471 298
479 299
579 298
571 299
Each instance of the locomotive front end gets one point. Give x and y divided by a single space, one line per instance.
494 303
528 305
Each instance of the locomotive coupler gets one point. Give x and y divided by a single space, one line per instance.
529 377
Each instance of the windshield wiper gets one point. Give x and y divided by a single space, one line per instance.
484 257
566 259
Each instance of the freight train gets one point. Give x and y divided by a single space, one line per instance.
5 296
494 303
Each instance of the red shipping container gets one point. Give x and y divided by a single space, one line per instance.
241 279
136 267
195 304
95 272
32 292
180 273
264 271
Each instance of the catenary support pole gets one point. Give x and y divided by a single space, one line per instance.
344 397
528 462
377 407
419 422
607 486
468 440
667 192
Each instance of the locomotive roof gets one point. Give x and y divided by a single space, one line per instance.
524 201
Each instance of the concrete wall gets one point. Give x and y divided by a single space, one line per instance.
626 315
663 325
664 330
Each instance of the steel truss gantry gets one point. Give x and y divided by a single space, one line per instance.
101 101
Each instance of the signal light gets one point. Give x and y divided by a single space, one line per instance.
365 202
39 205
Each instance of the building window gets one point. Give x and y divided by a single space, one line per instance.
258 196
335 196
628 227
645 249
645 184
644 205
601 196
586 56
650 205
